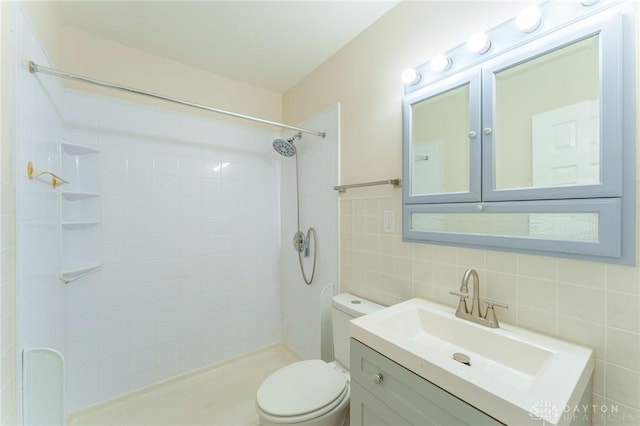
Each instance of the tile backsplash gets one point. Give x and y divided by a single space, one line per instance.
591 304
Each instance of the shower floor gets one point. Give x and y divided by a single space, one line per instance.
222 395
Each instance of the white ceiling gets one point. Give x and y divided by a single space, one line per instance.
271 44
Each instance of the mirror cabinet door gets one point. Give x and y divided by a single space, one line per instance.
547 126
443 147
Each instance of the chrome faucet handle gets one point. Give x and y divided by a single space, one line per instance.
490 314
491 304
462 304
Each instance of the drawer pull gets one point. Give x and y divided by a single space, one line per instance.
377 378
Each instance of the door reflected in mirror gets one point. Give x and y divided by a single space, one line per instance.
547 119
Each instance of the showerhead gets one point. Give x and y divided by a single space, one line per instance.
286 147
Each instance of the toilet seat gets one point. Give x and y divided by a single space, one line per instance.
302 391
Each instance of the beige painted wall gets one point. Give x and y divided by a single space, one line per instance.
365 77
106 60
82 53
593 304
43 16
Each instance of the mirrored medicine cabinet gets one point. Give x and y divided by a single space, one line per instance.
532 149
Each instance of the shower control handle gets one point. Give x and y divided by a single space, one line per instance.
299 242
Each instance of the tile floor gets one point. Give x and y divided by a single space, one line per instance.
222 395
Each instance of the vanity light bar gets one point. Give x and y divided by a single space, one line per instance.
529 19
479 43
410 76
531 23
440 63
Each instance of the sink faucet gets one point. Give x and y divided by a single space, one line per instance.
464 288
474 314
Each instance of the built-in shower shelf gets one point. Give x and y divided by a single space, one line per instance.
75 196
79 224
77 149
80 212
72 274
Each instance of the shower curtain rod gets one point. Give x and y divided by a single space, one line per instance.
34 68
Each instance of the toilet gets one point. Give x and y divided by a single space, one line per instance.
314 392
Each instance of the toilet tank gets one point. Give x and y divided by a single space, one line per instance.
345 308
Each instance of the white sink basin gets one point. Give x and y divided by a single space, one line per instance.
514 375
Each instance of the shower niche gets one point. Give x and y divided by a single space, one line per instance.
80 212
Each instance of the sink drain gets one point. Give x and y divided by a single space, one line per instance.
462 358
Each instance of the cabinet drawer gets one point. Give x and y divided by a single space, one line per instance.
366 410
418 400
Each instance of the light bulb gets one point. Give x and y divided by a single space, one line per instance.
440 63
410 76
479 43
528 20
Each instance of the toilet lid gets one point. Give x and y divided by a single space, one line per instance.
300 388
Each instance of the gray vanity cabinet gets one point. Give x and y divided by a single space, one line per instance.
385 393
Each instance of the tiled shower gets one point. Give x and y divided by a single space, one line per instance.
181 216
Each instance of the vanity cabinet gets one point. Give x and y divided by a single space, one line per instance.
531 149
385 393
80 230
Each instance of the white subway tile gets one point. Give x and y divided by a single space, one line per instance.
113 368
583 333
581 302
533 319
621 384
140 160
537 267
81 109
623 278
113 388
623 348
85 376
141 360
114 160
140 379
82 352
82 328
537 293
590 274
167 330
623 311
142 338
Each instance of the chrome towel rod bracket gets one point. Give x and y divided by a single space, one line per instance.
34 68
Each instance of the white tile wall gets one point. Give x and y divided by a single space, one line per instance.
8 383
40 298
189 247
8 414
592 304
